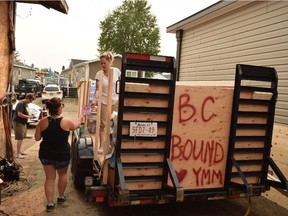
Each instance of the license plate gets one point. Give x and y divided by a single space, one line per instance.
143 129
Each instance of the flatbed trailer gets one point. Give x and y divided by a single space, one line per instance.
177 141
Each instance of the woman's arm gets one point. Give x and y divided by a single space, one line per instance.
37 134
67 124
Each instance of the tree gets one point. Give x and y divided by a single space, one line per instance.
17 56
130 28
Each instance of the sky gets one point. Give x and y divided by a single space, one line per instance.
47 38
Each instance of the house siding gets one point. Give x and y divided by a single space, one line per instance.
255 34
79 71
22 72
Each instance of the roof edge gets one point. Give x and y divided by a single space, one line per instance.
211 12
59 5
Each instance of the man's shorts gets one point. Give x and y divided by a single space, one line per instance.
19 130
56 164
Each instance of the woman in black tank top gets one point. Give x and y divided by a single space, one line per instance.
54 151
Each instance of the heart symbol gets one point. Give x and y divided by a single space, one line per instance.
181 175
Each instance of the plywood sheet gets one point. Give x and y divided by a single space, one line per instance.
200 135
153 185
143 145
142 158
143 172
146 88
145 103
144 117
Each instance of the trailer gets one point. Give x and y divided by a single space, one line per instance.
176 141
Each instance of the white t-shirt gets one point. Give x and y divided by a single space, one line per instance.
116 76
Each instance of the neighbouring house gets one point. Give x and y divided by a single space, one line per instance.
95 66
22 71
211 42
7 49
73 73
83 70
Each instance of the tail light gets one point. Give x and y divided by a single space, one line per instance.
44 92
59 92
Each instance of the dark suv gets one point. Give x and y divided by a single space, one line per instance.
26 86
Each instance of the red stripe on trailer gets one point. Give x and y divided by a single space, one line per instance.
148 57
138 56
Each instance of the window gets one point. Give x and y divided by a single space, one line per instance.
131 73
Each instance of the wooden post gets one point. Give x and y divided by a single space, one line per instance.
86 98
80 89
107 125
98 118
108 113
83 95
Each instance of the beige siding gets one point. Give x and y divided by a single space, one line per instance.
255 34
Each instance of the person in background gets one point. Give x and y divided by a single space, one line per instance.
106 61
20 120
54 151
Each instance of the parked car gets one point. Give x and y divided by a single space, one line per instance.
50 91
33 109
39 86
26 86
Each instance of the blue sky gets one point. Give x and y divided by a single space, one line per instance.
48 38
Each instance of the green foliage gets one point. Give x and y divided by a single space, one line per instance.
17 56
130 28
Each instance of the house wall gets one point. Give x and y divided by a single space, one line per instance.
67 74
6 53
5 48
79 73
255 34
22 73
75 72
